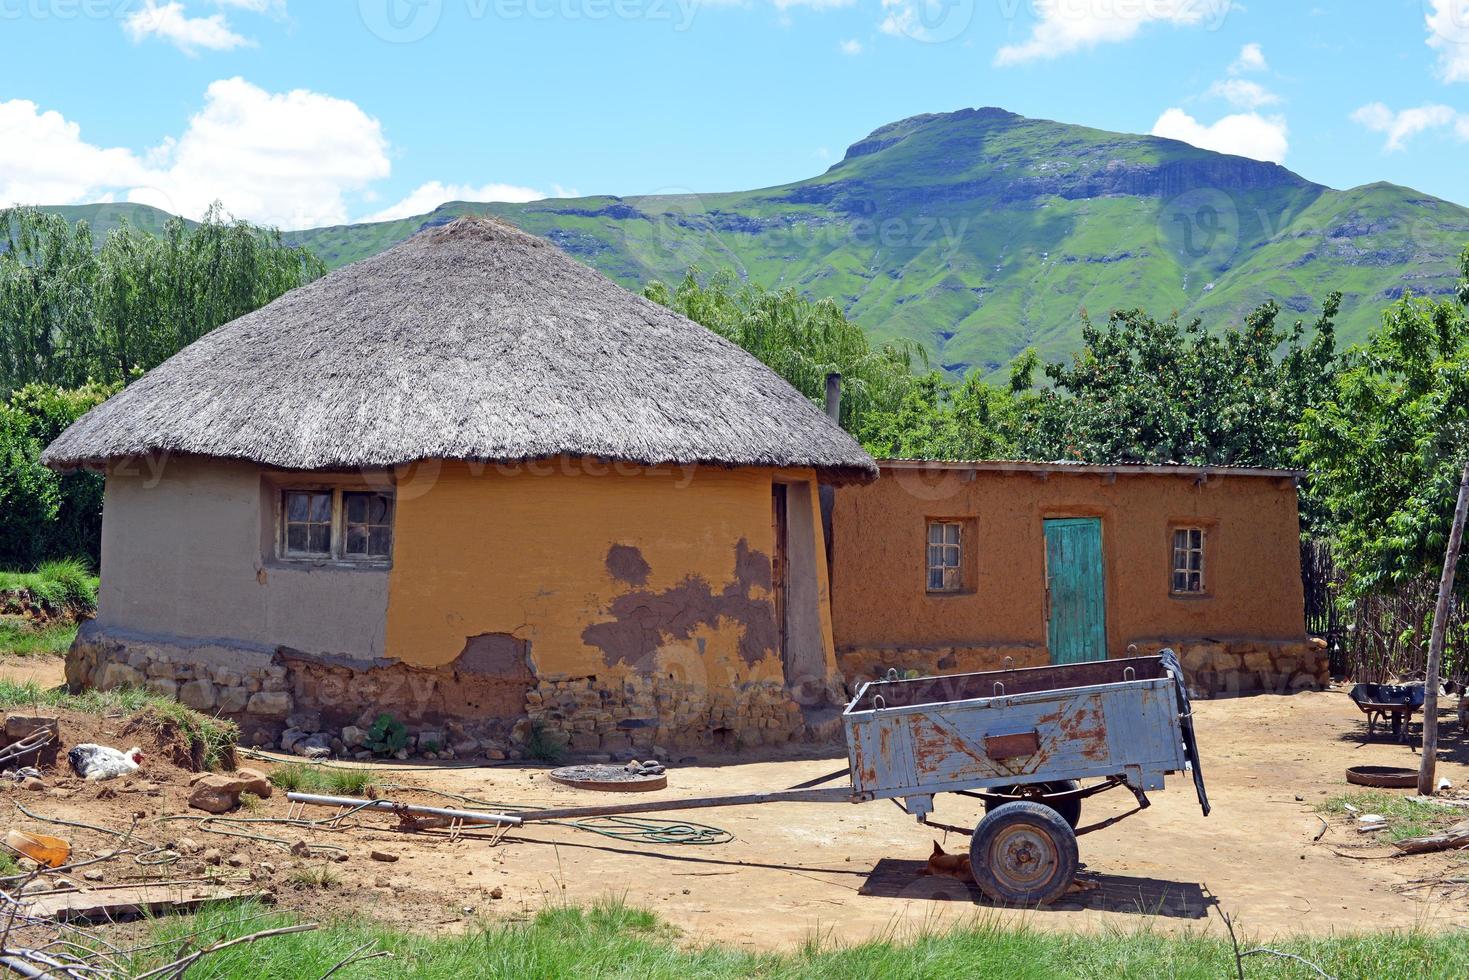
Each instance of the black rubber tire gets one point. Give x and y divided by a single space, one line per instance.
1070 810
1023 853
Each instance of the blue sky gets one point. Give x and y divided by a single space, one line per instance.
301 114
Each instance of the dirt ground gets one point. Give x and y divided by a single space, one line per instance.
844 872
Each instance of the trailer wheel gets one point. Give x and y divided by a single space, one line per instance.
1023 853
1069 809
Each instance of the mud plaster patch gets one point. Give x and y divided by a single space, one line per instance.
642 618
488 681
627 564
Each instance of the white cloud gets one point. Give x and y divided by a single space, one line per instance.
1448 34
1065 26
1403 125
1243 93
44 160
289 159
851 46
1251 58
170 22
426 197
281 158
1246 134
783 5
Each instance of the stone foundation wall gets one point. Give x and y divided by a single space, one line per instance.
1221 668
861 664
643 712
282 696
1213 668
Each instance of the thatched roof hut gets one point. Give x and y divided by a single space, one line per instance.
475 341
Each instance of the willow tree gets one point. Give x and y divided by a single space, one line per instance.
73 309
801 339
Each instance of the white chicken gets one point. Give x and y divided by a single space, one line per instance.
93 762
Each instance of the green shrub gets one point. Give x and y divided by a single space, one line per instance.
545 745
387 735
45 514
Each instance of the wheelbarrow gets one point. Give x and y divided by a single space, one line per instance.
1395 702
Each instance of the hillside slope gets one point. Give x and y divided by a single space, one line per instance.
981 232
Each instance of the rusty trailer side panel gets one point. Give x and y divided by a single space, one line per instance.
1126 727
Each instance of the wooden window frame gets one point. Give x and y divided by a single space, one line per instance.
963 573
1202 549
337 536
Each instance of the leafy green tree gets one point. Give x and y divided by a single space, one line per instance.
1387 447
940 420
44 514
1155 391
802 340
73 310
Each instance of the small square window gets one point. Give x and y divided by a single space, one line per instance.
1188 560
369 524
945 556
308 523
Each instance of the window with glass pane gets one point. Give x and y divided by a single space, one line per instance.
308 523
1188 559
368 519
944 551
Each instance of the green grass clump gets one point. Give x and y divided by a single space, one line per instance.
349 782
611 939
193 740
61 584
1406 817
24 640
301 777
545 744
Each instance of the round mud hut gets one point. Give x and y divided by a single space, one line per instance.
475 485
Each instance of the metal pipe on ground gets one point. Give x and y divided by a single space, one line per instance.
467 816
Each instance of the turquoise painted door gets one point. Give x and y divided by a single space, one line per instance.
1078 604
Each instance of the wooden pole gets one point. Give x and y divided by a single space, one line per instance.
1436 640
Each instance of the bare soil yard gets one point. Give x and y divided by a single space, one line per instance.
797 870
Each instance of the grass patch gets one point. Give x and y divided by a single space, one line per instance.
24 640
190 739
315 877
60 584
545 744
1406 817
301 777
610 940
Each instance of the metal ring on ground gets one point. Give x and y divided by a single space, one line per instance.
612 779
1383 777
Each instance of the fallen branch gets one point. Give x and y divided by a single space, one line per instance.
178 966
357 956
1453 838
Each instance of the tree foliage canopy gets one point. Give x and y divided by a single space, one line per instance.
801 339
1387 448
73 310
1144 390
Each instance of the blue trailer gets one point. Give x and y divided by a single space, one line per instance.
1021 740
1024 741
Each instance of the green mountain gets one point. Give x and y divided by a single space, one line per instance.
981 232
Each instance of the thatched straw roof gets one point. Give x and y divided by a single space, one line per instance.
472 340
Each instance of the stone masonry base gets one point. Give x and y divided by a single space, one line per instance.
1213 668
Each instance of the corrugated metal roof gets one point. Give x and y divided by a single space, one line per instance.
1069 466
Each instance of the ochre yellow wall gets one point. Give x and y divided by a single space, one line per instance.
523 549
1253 557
